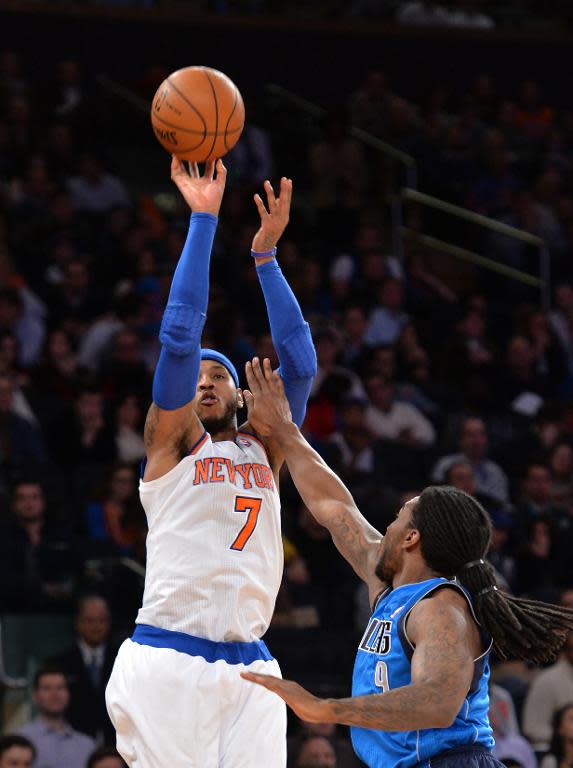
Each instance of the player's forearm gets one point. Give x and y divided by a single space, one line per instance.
175 377
291 335
411 708
317 484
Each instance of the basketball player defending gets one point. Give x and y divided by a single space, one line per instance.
214 549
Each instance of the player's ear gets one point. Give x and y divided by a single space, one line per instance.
240 398
411 538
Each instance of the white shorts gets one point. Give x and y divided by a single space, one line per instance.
175 710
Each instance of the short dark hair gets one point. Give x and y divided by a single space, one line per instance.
100 754
14 740
45 671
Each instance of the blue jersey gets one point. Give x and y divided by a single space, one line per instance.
383 663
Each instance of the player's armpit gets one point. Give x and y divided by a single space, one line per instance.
446 641
168 437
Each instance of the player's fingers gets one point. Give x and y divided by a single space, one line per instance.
287 194
278 383
258 372
271 199
221 172
177 166
260 206
251 378
193 170
268 681
209 170
248 398
267 369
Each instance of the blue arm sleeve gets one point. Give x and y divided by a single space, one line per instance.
291 337
175 378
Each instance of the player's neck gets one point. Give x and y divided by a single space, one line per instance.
413 573
228 433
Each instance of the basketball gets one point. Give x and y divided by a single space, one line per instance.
198 114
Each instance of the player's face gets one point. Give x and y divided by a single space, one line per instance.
217 398
391 550
17 757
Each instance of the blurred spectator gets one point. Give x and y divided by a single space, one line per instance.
354 441
389 419
537 498
93 189
105 757
129 418
83 436
23 314
117 519
56 742
87 666
388 317
561 747
16 752
338 187
345 757
536 565
37 563
549 691
490 478
561 467
316 752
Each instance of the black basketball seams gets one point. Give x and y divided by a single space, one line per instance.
216 116
227 131
203 134
190 104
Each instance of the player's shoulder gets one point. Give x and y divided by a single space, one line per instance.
447 603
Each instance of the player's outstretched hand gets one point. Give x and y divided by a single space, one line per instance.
308 707
275 219
266 400
203 194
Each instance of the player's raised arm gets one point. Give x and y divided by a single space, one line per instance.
172 427
323 492
290 333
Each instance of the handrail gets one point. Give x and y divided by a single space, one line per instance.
12 683
473 258
358 133
477 218
112 86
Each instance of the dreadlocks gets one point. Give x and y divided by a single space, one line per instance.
455 533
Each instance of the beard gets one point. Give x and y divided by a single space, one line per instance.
214 424
383 570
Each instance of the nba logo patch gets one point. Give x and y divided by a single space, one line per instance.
244 441
397 611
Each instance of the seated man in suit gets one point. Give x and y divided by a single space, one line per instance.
87 665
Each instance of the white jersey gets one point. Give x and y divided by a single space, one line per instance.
214 547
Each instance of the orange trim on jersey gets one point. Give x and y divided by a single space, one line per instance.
199 444
257 440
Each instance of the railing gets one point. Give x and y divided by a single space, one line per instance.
543 282
408 193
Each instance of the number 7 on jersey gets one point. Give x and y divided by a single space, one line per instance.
252 506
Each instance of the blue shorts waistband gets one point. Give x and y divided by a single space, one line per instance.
231 653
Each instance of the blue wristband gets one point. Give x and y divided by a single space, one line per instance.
264 254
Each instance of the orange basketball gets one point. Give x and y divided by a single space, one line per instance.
198 114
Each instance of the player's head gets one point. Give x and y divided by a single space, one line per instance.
16 752
218 395
449 532
443 526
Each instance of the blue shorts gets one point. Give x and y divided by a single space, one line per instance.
463 757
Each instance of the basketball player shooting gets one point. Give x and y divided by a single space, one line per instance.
214 548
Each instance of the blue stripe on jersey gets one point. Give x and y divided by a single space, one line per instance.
383 663
232 653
